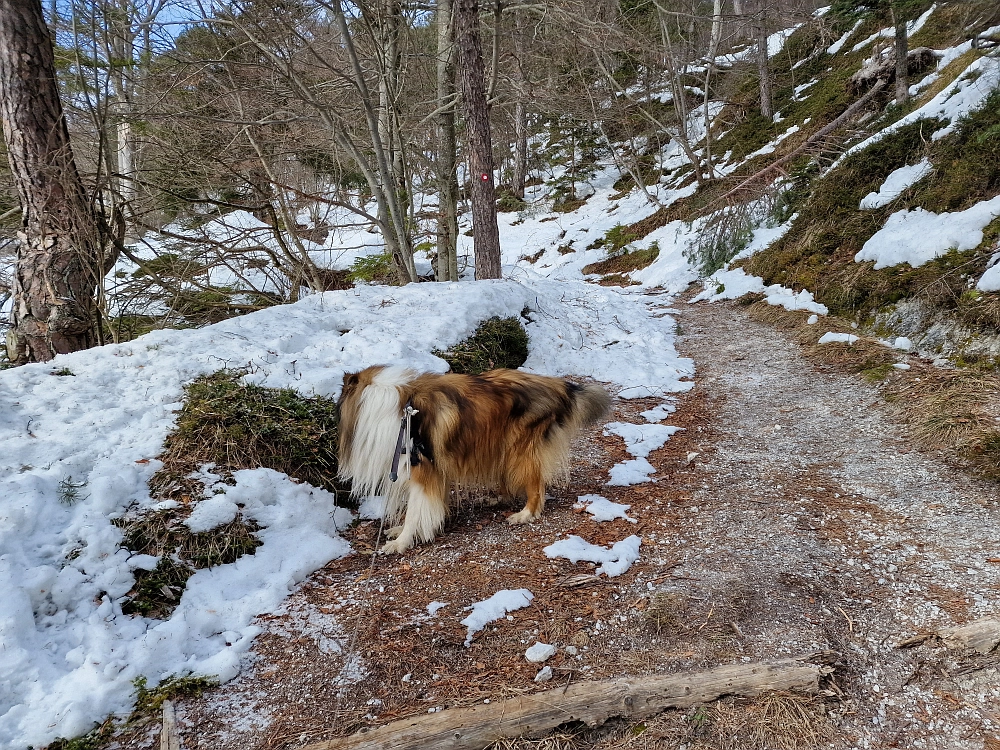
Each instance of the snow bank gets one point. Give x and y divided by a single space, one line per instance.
990 280
897 181
918 236
735 283
615 561
602 509
492 609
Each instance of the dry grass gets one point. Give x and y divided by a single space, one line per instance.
558 741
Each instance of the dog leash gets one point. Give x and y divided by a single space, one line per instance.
402 440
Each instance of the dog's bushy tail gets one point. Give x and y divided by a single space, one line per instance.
590 403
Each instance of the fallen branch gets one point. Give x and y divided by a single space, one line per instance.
775 166
592 703
981 635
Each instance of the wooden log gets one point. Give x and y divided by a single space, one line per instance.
169 738
592 703
981 635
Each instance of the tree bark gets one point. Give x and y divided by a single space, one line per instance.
486 234
520 175
447 161
763 69
59 260
902 63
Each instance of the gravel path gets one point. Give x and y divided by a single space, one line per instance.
815 501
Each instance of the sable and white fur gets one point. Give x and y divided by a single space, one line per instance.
503 430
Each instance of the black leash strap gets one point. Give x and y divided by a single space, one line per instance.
403 441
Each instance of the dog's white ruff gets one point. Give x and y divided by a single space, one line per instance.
374 442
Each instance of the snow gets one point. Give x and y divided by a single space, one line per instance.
901 342
433 607
492 609
899 180
602 509
918 236
73 660
659 413
634 471
211 513
544 674
641 439
834 48
990 280
615 561
540 652
734 283
837 338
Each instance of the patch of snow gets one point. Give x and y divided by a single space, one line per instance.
372 508
433 607
990 280
211 513
540 652
602 509
615 561
732 284
659 413
918 236
633 471
837 338
494 608
899 180
901 342
813 319
834 48
641 439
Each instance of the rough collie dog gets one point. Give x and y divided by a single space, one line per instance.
503 430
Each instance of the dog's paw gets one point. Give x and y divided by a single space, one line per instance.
395 547
394 532
522 516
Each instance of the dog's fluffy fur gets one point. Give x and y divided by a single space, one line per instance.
503 430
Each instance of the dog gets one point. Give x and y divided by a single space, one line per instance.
504 430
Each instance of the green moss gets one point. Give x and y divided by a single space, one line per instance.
496 342
149 701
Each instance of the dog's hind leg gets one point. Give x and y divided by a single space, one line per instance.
426 508
534 488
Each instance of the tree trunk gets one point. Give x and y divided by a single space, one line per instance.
902 73
447 163
59 260
486 234
763 70
520 175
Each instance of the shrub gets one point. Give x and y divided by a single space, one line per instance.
373 269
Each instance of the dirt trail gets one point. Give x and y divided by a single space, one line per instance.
806 522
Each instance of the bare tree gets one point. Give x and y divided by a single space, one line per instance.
60 258
486 233
447 153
